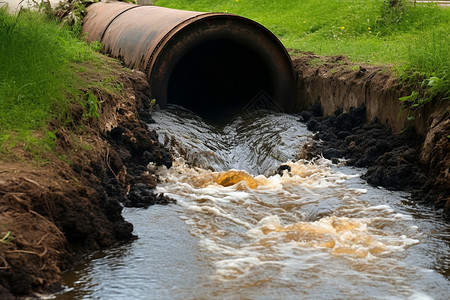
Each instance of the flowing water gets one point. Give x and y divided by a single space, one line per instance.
242 230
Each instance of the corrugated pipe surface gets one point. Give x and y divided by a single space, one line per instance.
211 63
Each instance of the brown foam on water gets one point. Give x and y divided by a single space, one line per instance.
243 180
227 178
342 235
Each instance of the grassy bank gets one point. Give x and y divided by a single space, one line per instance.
40 76
415 39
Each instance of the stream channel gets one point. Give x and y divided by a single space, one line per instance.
243 230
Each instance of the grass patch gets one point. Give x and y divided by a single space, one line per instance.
370 30
415 39
40 63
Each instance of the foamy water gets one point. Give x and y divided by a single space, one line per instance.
272 221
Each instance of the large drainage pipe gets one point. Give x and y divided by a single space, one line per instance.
211 63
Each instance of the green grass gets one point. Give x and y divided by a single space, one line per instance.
361 29
414 39
38 78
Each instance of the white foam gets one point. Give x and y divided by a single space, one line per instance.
384 207
403 217
419 296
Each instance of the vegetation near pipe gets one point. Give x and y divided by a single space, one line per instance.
213 63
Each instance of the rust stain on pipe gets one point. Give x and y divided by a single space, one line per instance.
206 62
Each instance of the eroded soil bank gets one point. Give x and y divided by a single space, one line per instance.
52 212
355 111
60 209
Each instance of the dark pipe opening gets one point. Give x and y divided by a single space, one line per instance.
217 79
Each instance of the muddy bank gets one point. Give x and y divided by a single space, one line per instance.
354 110
66 205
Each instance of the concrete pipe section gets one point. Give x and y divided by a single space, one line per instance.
212 63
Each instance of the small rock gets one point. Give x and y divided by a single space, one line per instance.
149 179
280 170
305 116
335 160
332 153
313 125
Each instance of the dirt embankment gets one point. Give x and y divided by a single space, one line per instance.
54 211
355 111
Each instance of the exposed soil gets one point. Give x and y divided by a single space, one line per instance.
54 211
417 159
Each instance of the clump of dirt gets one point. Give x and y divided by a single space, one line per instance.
391 159
53 212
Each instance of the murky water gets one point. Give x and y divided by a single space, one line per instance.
240 231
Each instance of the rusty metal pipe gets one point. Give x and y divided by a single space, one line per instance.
206 62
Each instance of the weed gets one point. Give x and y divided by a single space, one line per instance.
93 105
65 159
72 12
7 238
49 140
120 87
392 13
96 46
427 70
86 147
431 87
153 106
